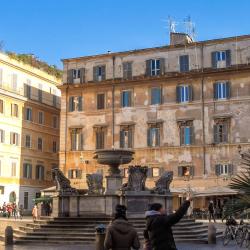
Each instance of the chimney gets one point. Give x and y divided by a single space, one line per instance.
180 38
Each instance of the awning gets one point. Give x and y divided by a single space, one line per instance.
42 199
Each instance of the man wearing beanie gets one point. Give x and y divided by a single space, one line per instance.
158 226
120 234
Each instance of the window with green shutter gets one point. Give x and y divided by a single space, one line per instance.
156 95
126 137
127 70
76 139
221 131
100 101
153 136
186 133
184 63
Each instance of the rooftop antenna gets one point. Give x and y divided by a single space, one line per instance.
190 27
171 25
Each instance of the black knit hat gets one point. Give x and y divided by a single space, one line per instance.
155 206
120 211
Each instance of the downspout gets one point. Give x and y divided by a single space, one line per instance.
66 129
113 105
203 112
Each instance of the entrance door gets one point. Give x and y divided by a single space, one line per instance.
12 197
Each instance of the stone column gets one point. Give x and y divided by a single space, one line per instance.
73 206
114 184
56 206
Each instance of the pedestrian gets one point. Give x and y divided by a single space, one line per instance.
20 210
159 225
211 211
121 235
9 210
147 243
35 212
14 210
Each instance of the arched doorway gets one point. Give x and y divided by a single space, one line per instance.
12 197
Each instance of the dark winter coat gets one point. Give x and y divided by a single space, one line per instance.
211 208
121 235
159 228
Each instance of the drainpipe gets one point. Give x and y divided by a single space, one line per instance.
66 129
203 112
113 105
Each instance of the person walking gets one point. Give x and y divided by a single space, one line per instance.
159 225
121 235
20 211
211 211
35 212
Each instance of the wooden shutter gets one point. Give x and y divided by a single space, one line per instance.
70 76
81 141
150 172
230 169
158 137
191 171
216 134
182 135
130 98
184 63
122 139
149 139
225 131
82 75
215 87
178 94
162 66
103 69
192 135
95 73
130 138
148 68
228 90
180 171
24 170
228 58
214 59
127 70
190 93
70 174
181 63
30 171
79 103
217 169
71 103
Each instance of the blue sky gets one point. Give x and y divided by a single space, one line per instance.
56 29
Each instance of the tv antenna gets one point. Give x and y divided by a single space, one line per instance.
189 27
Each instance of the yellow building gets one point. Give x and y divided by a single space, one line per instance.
29 130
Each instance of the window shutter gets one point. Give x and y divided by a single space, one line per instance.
230 169
103 72
150 172
148 68
214 59
129 71
158 140
191 171
228 90
192 138
190 93
225 132
24 169
149 141
162 66
122 139
180 171
71 103
215 86
30 171
79 103
70 76
217 169
228 58
3 136
178 94
82 75
95 73
130 98
81 141
184 63
216 135
182 135
69 174
181 62
130 138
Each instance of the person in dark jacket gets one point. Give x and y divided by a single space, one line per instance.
159 225
211 211
121 235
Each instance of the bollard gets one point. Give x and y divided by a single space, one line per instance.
100 237
8 235
211 234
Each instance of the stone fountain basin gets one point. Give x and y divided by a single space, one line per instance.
113 157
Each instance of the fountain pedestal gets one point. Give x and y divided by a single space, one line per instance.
113 184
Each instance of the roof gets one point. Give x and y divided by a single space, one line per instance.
241 37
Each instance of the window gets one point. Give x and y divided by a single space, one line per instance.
155 172
76 74
1 190
221 59
154 135
74 174
1 77
126 137
186 133
99 73
54 147
54 100
126 96
184 63
1 106
101 101
2 136
13 169
155 67
14 110
184 93
39 172
14 82
127 70
26 200
76 139
100 138
224 169
40 93
75 103
40 143
27 171
221 128
221 90
186 172
14 138
41 117
27 90
55 122
28 114
156 96
28 141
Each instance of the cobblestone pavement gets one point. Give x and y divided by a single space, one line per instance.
180 246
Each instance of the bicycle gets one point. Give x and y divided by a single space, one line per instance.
245 236
232 232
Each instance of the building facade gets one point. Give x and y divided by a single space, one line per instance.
183 108
29 131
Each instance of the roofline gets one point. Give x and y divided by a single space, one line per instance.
241 37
